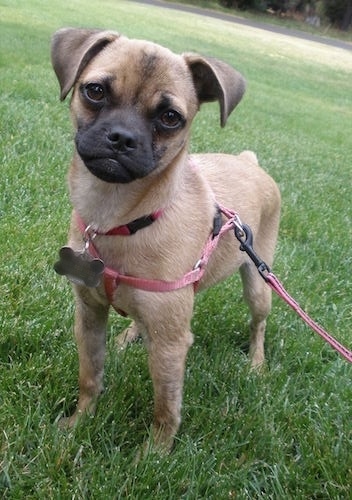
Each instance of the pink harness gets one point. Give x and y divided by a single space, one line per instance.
113 278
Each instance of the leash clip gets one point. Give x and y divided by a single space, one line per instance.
245 236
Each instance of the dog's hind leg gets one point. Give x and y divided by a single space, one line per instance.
258 297
256 292
130 334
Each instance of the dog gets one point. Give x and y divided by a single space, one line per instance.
145 208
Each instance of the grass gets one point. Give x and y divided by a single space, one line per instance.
286 434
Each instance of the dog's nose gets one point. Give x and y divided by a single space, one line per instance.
122 140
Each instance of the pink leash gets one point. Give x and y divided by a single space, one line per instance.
279 289
244 234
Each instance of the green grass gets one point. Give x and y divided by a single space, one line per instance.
286 434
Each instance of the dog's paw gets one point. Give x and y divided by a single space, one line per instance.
154 447
257 362
67 423
130 334
79 416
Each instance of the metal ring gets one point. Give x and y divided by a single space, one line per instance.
89 233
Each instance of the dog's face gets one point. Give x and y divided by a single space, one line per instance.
134 101
133 105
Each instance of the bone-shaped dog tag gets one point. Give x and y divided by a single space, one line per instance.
79 267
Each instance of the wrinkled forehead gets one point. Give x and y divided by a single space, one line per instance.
136 68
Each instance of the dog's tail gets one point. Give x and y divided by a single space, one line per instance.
249 156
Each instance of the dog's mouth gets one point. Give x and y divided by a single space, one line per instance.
114 163
112 170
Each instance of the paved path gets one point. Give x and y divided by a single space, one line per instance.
247 22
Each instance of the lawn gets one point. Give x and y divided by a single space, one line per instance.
284 434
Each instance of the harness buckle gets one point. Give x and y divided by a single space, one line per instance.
198 264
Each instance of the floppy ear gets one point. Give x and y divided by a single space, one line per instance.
71 51
215 80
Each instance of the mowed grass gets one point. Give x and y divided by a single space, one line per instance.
284 434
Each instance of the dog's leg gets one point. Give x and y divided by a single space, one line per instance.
258 297
167 366
90 332
168 339
130 334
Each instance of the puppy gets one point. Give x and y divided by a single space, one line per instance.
146 208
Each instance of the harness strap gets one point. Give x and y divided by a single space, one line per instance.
112 278
126 229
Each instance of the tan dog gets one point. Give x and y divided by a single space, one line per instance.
133 104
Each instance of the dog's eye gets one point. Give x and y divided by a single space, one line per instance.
171 118
94 92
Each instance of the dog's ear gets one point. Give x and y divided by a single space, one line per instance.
215 80
71 51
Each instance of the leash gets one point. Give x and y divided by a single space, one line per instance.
244 235
279 289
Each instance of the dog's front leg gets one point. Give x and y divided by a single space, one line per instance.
90 332
167 366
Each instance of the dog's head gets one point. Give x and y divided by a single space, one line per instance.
133 101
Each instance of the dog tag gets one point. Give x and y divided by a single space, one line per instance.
79 267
